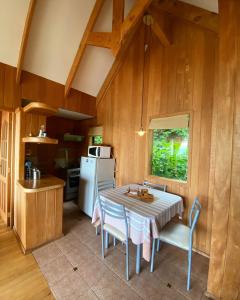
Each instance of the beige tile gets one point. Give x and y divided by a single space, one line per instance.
72 287
93 270
116 261
176 276
56 269
110 286
148 286
47 253
80 256
68 243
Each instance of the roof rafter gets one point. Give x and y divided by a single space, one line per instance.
25 36
135 14
117 20
83 44
188 12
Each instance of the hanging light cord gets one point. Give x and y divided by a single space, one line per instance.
143 83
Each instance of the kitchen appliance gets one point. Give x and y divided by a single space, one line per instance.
99 151
72 184
92 170
36 174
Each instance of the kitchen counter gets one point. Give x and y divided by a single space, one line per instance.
38 211
43 184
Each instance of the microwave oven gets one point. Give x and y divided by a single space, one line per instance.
99 151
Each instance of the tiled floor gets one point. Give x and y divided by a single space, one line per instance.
74 268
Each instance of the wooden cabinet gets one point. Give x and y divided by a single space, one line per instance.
38 211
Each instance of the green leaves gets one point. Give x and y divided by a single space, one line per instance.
170 153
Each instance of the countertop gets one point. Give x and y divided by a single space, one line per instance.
43 184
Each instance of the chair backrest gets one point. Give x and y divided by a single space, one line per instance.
160 187
105 184
114 210
194 214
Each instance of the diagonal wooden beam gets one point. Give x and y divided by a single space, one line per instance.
133 17
83 44
117 20
188 12
25 35
160 34
117 64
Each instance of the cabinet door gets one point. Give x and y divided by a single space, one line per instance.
5 156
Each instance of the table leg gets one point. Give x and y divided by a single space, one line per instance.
138 259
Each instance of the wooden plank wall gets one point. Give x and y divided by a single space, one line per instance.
39 89
224 275
178 78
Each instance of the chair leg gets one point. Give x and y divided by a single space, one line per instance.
189 268
102 234
97 230
153 255
158 245
127 261
114 241
138 259
107 240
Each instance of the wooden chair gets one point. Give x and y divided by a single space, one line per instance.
181 236
116 211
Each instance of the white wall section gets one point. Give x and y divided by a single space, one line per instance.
56 31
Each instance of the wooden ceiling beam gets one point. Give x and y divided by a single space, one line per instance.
100 39
187 12
117 20
117 64
135 14
161 35
25 36
83 44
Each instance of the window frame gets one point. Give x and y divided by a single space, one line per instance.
160 179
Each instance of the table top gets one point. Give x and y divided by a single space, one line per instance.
162 201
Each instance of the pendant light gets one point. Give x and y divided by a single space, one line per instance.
141 132
147 20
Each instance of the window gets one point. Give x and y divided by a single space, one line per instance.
169 157
95 135
97 139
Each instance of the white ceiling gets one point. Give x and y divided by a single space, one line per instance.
56 32
211 5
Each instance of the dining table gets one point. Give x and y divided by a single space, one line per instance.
145 219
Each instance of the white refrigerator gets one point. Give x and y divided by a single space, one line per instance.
92 170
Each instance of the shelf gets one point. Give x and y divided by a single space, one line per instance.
39 140
40 108
73 138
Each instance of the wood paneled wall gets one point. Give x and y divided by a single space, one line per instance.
36 88
179 78
224 274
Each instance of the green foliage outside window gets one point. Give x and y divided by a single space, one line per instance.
97 139
170 153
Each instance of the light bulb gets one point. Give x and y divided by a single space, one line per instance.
141 132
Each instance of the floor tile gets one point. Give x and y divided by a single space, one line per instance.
110 286
46 254
56 269
148 286
176 276
72 287
116 261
